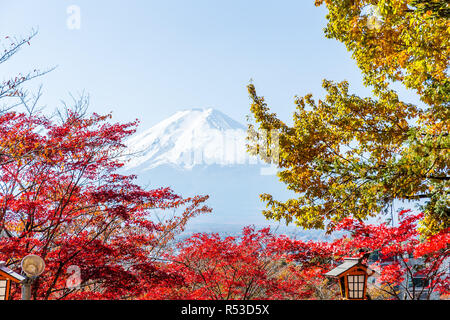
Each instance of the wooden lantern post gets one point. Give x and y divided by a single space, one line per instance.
6 276
352 275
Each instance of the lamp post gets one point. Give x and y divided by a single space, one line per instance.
32 266
352 275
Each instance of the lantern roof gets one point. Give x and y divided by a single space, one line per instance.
345 266
9 274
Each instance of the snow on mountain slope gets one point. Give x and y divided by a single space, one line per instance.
189 138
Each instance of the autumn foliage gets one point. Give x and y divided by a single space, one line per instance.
262 265
403 255
103 236
254 265
62 200
350 156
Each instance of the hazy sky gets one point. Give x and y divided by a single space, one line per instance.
148 59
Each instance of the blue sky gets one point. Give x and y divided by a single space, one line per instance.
149 59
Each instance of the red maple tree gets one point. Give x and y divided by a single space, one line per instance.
409 265
261 265
256 265
62 199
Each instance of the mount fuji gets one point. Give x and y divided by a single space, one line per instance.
203 152
190 138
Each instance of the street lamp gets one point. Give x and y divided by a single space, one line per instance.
352 275
32 266
6 276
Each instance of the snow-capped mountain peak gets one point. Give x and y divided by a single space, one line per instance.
188 138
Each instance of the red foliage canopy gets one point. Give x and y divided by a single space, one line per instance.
261 265
62 199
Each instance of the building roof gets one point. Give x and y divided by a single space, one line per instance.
340 269
9 274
